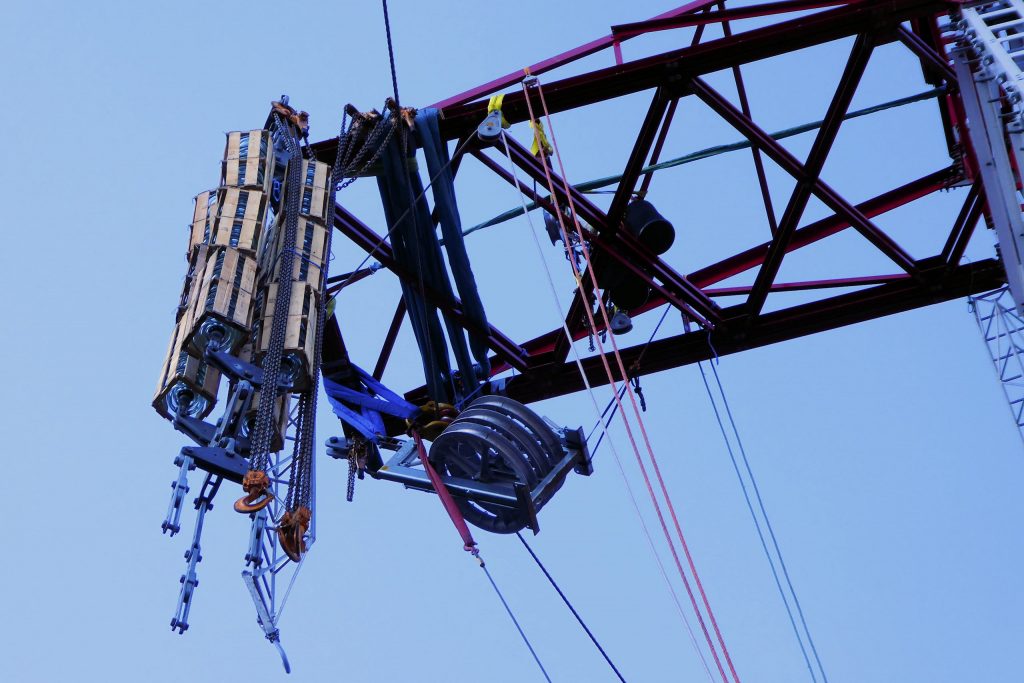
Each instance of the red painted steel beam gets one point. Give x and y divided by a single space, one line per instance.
930 59
644 140
625 31
622 248
879 18
964 226
790 323
350 226
789 163
753 257
389 341
813 232
562 59
820 148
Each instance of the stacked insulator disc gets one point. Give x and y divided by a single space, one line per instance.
218 297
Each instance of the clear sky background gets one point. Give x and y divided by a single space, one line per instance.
885 453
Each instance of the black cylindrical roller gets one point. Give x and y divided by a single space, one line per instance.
649 226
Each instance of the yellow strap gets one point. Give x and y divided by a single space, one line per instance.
540 139
494 104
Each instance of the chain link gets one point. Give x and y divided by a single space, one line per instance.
353 467
348 162
264 427
376 142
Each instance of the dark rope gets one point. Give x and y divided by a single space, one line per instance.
768 524
514 620
572 609
757 523
391 51
612 405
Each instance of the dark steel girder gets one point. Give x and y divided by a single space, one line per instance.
879 19
812 169
350 226
798 321
789 163
644 141
755 256
621 247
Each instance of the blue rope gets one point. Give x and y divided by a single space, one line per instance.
768 524
514 620
613 404
464 401
757 524
572 609
613 407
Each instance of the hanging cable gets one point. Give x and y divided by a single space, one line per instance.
384 238
572 609
597 410
591 186
468 544
612 406
768 524
391 51
515 621
632 397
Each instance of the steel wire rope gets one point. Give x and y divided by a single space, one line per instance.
568 604
764 514
403 139
515 621
629 392
600 422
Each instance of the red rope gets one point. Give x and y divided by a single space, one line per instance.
632 397
446 497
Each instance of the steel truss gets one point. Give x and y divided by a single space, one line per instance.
920 26
1002 328
269 573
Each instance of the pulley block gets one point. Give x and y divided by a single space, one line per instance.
501 446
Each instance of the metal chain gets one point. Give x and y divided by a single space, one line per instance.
272 360
300 479
307 432
353 467
294 472
376 142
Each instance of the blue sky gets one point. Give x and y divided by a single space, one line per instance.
884 451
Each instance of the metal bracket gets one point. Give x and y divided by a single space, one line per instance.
489 130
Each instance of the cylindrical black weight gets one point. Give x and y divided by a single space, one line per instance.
649 226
